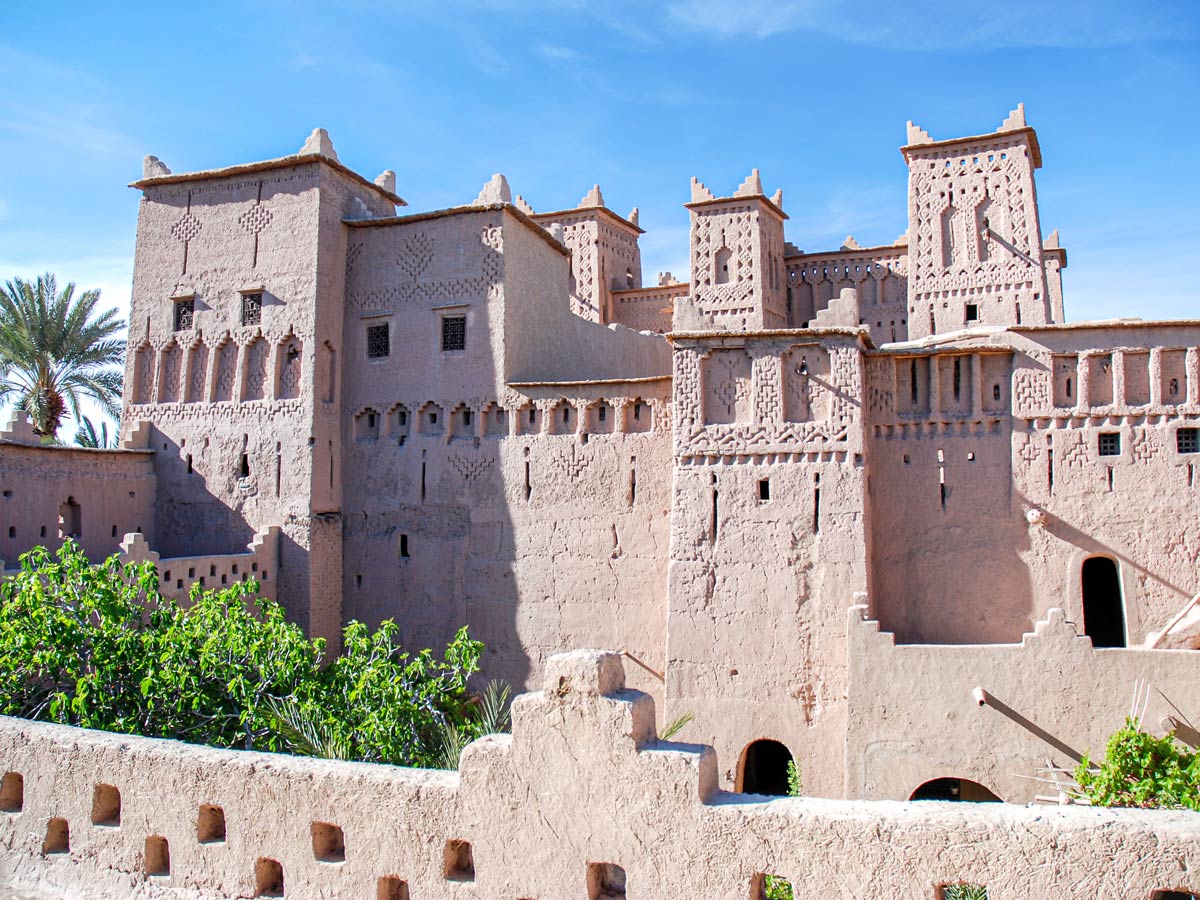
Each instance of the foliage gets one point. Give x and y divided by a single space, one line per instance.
964 892
98 647
56 349
491 715
673 728
87 436
774 887
1140 769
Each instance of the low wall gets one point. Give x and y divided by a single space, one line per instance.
913 717
580 788
177 574
48 492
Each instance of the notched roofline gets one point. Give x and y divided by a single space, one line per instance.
143 451
296 159
900 249
518 385
583 211
696 204
1106 323
683 286
523 218
861 332
1034 146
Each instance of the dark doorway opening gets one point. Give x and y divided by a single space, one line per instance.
1103 612
765 768
959 789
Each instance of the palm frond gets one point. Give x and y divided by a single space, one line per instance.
56 350
304 735
673 728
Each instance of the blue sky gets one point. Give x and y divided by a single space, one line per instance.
637 96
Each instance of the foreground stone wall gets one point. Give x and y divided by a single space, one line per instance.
580 801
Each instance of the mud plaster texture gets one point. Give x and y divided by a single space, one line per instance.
481 416
581 783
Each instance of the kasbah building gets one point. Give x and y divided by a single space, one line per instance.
828 503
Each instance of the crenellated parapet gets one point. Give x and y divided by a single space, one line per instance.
737 249
582 799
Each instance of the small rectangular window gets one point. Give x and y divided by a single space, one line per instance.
1187 440
454 332
185 313
764 489
1110 443
378 342
252 308
972 312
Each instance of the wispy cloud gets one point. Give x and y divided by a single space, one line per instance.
555 52
79 116
874 214
942 24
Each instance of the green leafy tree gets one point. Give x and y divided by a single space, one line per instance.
56 349
99 647
1140 769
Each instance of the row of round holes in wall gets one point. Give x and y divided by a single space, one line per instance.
562 418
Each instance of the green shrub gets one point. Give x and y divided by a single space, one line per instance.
775 887
1140 769
99 647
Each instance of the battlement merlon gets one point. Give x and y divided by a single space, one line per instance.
383 186
920 144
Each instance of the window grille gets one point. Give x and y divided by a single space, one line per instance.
1187 440
252 309
378 343
454 332
185 313
1110 443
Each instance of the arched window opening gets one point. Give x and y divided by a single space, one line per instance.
70 520
724 259
959 789
1103 610
764 769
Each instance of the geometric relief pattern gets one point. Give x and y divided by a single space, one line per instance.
226 371
168 388
1074 449
727 387
1144 445
197 372
256 369
143 374
416 253
255 219
186 228
289 369
1031 393
471 468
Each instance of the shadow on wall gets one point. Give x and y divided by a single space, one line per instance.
427 536
950 535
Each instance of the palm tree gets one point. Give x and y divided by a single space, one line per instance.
55 350
88 436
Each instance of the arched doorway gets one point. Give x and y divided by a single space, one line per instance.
1103 610
764 769
959 789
